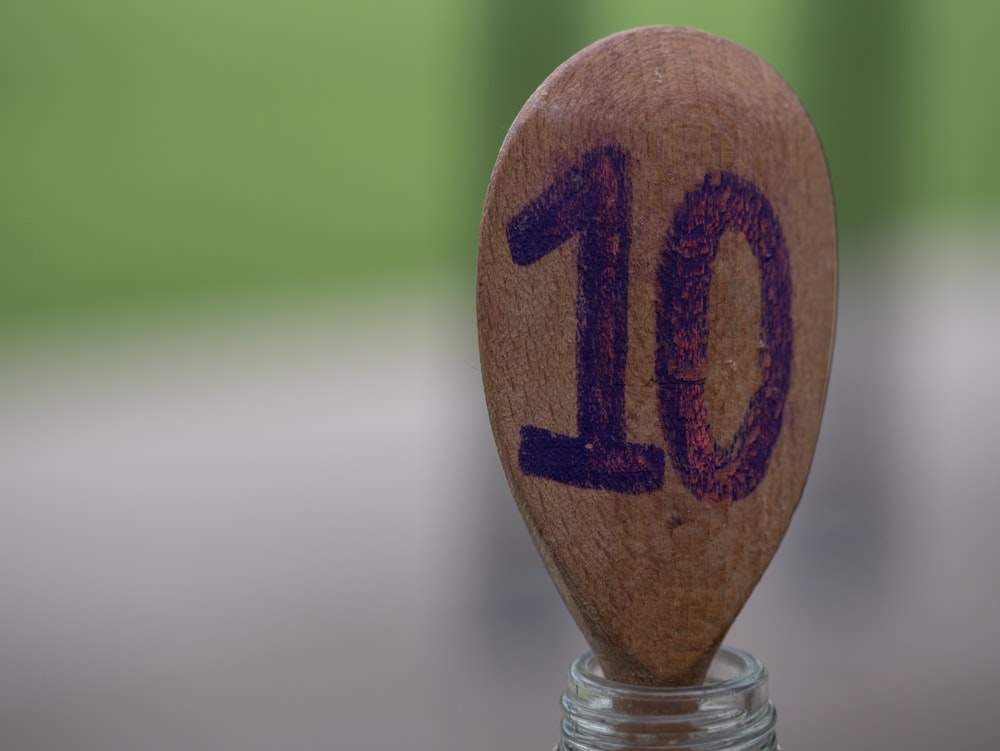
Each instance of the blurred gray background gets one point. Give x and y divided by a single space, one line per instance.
248 493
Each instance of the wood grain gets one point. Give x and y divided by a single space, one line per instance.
657 253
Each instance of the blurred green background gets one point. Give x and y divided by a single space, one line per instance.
182 152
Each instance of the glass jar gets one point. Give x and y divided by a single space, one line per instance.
729 712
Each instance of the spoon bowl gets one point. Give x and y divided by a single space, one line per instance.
656 302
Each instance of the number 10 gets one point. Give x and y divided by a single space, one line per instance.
592 200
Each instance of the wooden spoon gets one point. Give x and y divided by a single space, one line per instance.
656 302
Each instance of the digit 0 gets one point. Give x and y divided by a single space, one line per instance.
710 471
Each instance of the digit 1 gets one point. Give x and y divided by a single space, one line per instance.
712 472
590 199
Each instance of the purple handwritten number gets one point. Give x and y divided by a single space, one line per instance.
712 472
591 199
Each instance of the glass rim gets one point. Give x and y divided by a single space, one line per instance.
732 671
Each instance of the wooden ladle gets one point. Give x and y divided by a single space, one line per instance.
656 302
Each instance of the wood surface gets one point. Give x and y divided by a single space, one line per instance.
656 302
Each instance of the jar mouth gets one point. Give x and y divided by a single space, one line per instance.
732 671
729 711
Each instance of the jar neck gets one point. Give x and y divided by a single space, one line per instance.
729 712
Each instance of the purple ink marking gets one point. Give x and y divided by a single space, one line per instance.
590 199
712 472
